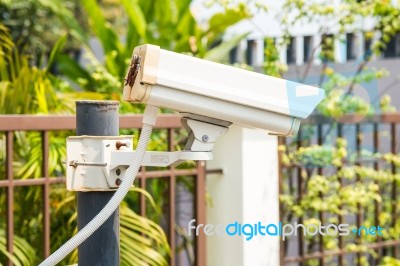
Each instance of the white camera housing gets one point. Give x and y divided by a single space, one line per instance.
191 85
209 96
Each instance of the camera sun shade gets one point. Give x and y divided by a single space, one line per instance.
187 84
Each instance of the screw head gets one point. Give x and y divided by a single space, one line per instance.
73 163
118 182
204 138
120 144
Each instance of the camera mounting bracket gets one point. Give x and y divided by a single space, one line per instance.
203 131
99 163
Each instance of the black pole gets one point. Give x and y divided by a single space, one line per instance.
97 118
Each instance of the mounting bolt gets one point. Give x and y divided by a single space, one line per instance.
118 171
120 144
118 182
204 138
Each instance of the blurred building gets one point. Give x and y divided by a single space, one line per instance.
349 48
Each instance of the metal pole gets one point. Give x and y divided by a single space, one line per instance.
97 118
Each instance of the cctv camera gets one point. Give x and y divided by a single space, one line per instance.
191 85
209 96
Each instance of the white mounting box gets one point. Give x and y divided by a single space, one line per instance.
99 163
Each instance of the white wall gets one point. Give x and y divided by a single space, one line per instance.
247 192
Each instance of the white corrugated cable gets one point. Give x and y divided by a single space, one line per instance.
149 119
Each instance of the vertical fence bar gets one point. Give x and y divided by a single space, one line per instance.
375 144
200 203
358 179
98 118
292 190
46 194
340 218
300 196
171 200
394 184
280 187
10 194
321 214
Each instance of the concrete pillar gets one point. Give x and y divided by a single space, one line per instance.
247 192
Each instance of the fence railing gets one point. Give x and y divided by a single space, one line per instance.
378 133
9 124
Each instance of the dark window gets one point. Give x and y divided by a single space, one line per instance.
233 55
215 43
351 48
307 48
392 47
291 51
367 45
251 46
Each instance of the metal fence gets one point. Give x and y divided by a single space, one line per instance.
9 124
379 133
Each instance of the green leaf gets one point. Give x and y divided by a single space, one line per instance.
183 6
186 26
164 12
67 17
24 254
135 16
107 36
221 51
143 241
74 71
57 49
221 21
132 40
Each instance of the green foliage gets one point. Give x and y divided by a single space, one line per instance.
25 88
220 52
271 64
324 193
327 49
141 239
33 85
317 156
340 98
339 101
37 90
334 181
385 104
336 200
388 261
24 253
164 23
35 25
170 25
221 21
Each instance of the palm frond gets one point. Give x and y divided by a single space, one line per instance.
24 254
